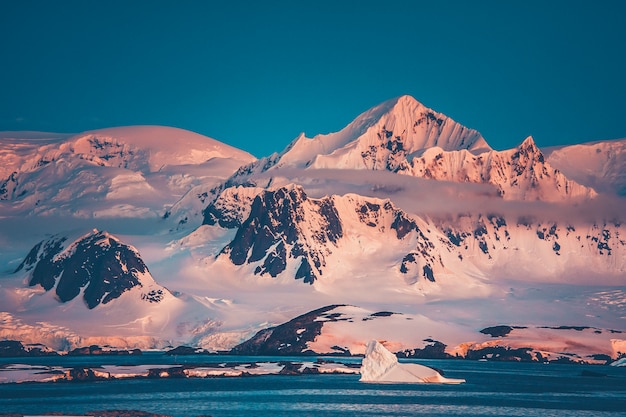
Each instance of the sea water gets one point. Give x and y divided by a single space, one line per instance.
492 389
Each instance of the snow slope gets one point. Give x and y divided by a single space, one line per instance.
600 165
117 172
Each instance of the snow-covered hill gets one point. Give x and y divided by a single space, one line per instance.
118 172
402 211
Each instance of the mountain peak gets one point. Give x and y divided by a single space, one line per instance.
97 266
528 143
382 138
528 151
404 107
521 173
404 101
408 101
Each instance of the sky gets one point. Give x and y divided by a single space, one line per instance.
254 74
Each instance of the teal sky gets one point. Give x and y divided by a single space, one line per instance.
254 74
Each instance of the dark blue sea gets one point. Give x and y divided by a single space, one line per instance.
492 389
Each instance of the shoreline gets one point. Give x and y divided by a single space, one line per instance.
20 373
26 373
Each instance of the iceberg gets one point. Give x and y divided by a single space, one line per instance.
380 365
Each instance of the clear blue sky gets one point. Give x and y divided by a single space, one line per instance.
255 74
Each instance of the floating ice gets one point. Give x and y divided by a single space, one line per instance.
380 365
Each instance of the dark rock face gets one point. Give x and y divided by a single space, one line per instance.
577 328
95 350
305 272
434 350
213 216
369 213
403 225
275 231
40 258
15 348
389 154
290 338
383 314
11 348
290 368
176 372
501 353
186 350
97 264
497 331
83 374
8 186
421 261
428 273
478 231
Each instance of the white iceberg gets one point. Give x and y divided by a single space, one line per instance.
380 365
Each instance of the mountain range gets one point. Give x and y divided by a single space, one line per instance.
405 226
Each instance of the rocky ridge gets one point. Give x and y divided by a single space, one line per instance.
96 265
517 174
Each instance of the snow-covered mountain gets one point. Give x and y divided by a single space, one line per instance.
91 289
118 172
97 266
286 233
599 165
402 211
383 137
517 174
404 136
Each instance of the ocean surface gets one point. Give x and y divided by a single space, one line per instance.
492 389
